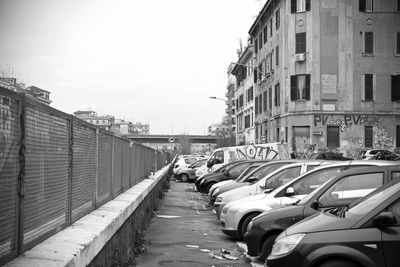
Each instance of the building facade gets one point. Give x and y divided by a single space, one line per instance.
244 97
230 118
328 74
105 122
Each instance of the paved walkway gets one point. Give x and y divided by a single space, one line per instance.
185 232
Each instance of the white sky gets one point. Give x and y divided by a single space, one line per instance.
155 62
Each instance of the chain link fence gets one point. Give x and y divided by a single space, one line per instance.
56 168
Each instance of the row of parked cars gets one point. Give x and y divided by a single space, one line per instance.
310 212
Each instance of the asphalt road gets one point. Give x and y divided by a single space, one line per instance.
185 232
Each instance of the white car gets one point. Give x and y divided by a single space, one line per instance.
236 215
184 162
270 182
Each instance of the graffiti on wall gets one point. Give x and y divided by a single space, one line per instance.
347 121
256 152
303 148
383 140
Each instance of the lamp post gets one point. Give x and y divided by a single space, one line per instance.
217 98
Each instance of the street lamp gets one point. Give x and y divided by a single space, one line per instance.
217 98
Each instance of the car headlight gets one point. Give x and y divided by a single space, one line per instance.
218 199
250 225
286 244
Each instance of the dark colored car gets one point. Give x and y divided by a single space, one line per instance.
338 192
252 177
229 174
330 156
365 234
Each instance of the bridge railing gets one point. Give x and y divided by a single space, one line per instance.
56 168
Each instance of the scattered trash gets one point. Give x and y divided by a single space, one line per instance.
205 250
205 234
214 212
192 246
168 216
229 257
224 251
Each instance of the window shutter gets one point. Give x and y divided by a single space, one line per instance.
307 86
308 5
294 6
369 42
362 5
293 88
368 84
256 106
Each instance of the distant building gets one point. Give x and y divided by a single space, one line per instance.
40 94
104 122
139 128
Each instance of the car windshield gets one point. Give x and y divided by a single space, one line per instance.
260 172
370 202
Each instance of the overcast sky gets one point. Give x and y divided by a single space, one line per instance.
151 61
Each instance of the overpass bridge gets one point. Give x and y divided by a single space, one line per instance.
184 144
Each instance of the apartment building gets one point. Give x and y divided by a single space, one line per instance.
244 94
328 75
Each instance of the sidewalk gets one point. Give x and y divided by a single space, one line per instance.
184 232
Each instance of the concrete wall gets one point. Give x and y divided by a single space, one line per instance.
107 236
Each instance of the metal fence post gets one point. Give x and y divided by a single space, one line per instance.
96 182
70 167
19 233
112 167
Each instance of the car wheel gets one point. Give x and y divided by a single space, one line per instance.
338 263
184 177
243 227
267 246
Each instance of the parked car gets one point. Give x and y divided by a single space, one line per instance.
236 215
229 174
378 154
254 176
245 173
221 169
365 234
330 156
264 228
183 162
188 173
268 183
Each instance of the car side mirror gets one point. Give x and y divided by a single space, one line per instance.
262 186
385 218
227 174
315 205
210 163
289 191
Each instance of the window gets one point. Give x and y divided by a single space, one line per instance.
397 135
282 177
277 55
366 5
277 95
270 99
250 94
300 42
270 27
265 101
300 87
277 135
260 104
398 5
265 32
332 136
286 134
395 87
260 40
256 45
368 42
277 19
368 87
256 105
350 188
219 157
300 6
395 209
247 121
368 136
241 101
271 59
398 43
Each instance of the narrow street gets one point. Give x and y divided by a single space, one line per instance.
185 232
